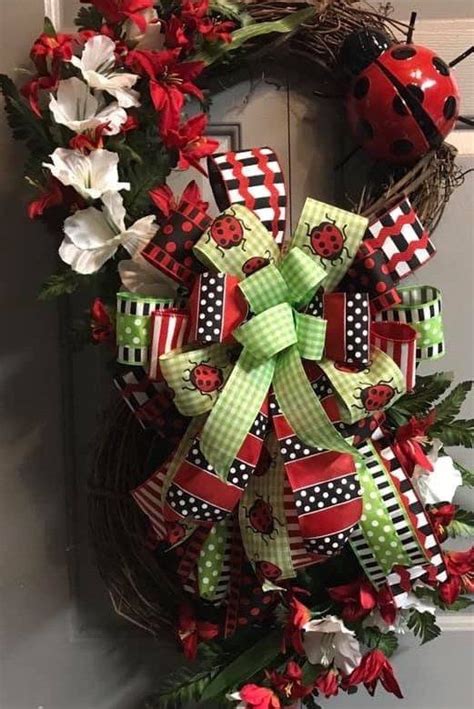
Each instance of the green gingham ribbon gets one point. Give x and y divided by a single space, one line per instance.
277 337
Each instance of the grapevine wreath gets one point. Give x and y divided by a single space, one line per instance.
271 483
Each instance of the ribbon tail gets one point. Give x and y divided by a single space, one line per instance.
301 407
235 412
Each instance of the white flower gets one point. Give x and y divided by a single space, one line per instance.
405 602
152 38
93 236
91 175
97 66
440 484
327 640
235 697
139 276
79 110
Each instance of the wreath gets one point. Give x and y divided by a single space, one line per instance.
271 483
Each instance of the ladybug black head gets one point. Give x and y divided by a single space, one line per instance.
362 48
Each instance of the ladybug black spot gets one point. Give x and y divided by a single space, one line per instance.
399 106
416 92
404 52
441 66
364 130
402 147
449 108
361 87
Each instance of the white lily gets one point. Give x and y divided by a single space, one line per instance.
91 175
409 601
139 276
75 107
93 236
98 67
327 640
152 38
441 483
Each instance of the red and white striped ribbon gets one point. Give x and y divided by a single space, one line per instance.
168 331
398 341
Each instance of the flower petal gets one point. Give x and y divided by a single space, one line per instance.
88 229
347 655
99 52
85 261
114 211
139 234
139 277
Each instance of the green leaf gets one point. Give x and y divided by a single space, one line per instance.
62 283
423 626
373 638
467 475
310 672
245 666
48 28
456 433
427 391
183 687
310 702
459 605
89 18
462 524
22 121
449 408
258 29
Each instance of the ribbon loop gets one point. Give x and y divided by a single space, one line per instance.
268 333
302 276
311 336
265 288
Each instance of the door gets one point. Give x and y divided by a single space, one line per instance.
62 646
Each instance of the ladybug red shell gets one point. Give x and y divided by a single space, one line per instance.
205 378
227 231
327 240
404 100
254 264
377 397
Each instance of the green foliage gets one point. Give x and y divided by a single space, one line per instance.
232 10
460 604
89 18
372 637
247 664
310 702
48 28
467 475
22 121
427 391
450 406
423 626
462 524
457 433
183 687
63 283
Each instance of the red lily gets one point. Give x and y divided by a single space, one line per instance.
328 683
176 35
460 566
298 616
191 631
359 598
408 442
51 196
58 48
194 14
116 11
289 683
87 142
257 697
102 327
374 667
189 142
31 90
165 201
441 517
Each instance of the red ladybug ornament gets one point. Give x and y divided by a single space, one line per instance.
403 99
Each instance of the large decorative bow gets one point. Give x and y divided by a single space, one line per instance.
283 331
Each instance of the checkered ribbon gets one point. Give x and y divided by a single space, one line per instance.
277 338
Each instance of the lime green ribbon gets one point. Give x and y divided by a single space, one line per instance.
275 340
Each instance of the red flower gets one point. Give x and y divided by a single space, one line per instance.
289 683
191 631
374 667
58 48
170 81
130 124
408 442
165 201
175 34
116 11
188 140
298 616
194 14
259 697
87 142
441 517
359 598
328 683
51 196
31 90
102 327
460 566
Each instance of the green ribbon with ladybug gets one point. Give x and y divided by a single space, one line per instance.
230 381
